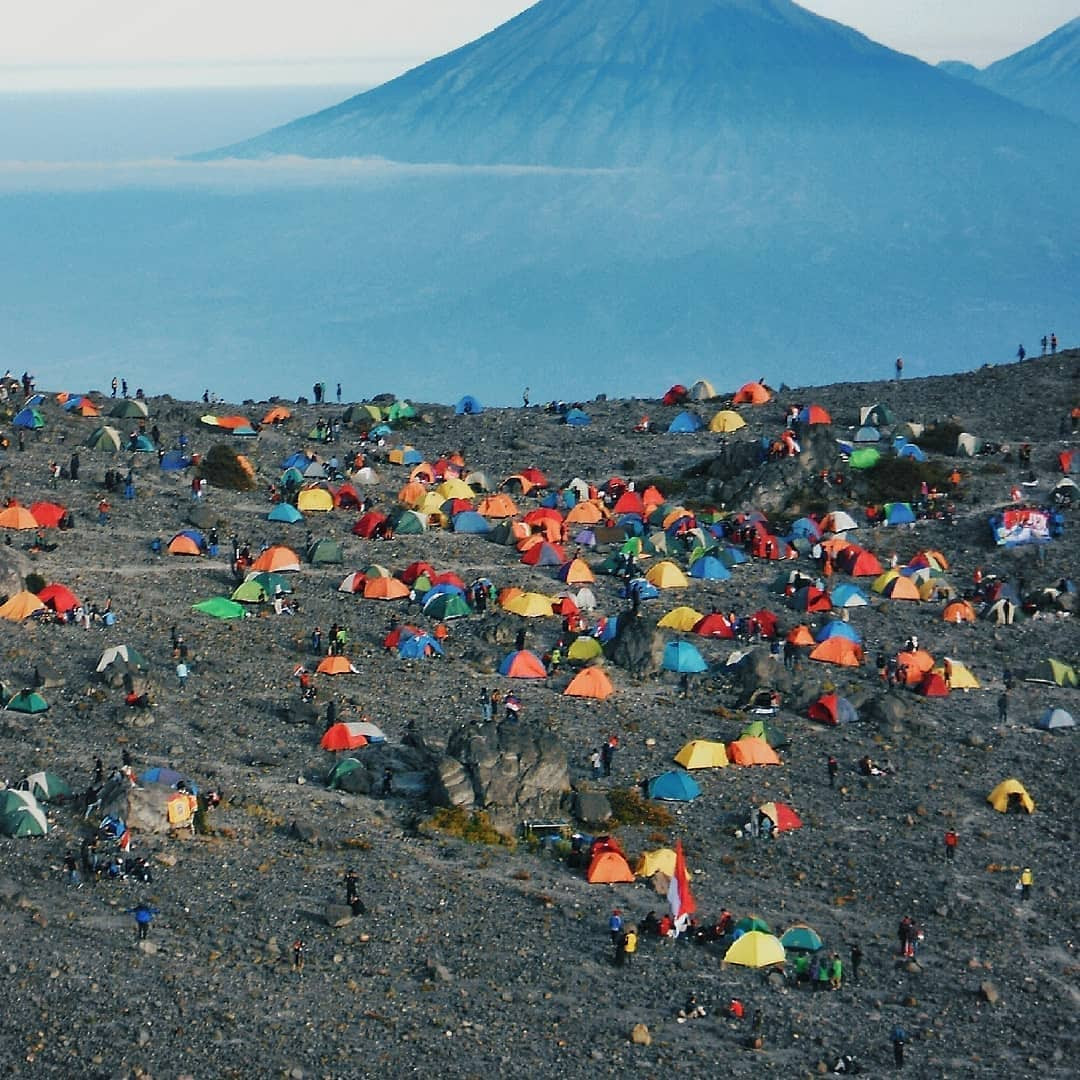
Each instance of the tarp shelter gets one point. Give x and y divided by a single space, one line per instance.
608 868
590 682
1055 720
752 751
702 754
468 406
756 950
219 607
674 786
1008 794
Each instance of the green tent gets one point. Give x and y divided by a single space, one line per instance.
129 410
27 701
408 522
864 458
20 814
400 410
291 477
220 607
325 552
46 787
1053 671
250 592
271 582
447 606
749 923
340 770
801 939
104 438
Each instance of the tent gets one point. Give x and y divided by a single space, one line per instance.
278 559
838 650
46 787
867 434
577 418
847 595
343 737
285 513
814 414
709 568
932 685
1011 793
584 648
1053 671
657 861
674 786
590 682
16 516
899 513
752 751
685 423
335 778
683 619
48 514
325 552
756 950
104 438
28 418
726 422
249 592
865 458
314 500
702 754
833 709
702 390
468 406
522 664
1055 720
529 605
130 410
666 575
784 819
801 938
336 665
187 542
752 393
958 611
27 701
608 868
446 606
20 814
58 597
682 657
419 647
124 653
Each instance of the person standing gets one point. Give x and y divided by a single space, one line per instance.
1027 879
596 763
1021 353
352 888
182 673
339 393
1053 344
898 1038
951 840
856 960
115 384
144 916
1044 343
615 927
899 368
833 766
1003 706
298 956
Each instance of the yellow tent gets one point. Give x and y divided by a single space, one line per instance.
20 606
455 488
1000 797
756 950
584 648
683 619
660 861
397 457
532 605
702 754
666 575
960 676
314 499
726 421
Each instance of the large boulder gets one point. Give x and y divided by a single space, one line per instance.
511 771
636 646
14 566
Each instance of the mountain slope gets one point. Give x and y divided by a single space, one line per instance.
678 84
1043 76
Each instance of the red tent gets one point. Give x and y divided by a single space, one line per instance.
676 395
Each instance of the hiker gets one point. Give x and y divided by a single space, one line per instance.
1043 343
855 960
387 782
898 1037
71 869
144 915
487 707
615 926
1027 879
692 1010
182 674
298 956
1003 706
833 766
899 368
316 641
596 763
836 972
1053 344
735 1009
339 393
951 840
525 397
628 946
1021 353
331 714
607 753
352 893
115 384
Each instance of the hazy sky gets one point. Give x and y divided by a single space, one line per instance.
91 43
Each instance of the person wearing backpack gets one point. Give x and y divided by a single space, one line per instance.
898 1037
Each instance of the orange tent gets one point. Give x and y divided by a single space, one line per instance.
607 868
335 665
17 517
585 513
497 506
182 544
590 682
342 737
800 635
753 393
838 650
231 422
385 588
278 558
20 606
576 572
958 611
524 665
276 414
752 751
917 663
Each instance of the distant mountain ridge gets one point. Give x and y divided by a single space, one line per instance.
674 84
1043 76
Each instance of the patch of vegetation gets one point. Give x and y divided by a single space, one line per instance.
629 808
940 438
35 583
897 479
222 467
473 827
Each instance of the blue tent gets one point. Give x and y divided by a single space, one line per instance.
806 528
867 433
141 444
838 629
577 418
631 524
674 786
469 521
34 399
410 456
709 568
611 627
415 648
645 590
299 460
681 656
285 512
685 423
910 450
444 588
381 431
28 418
848 595
899 513
73 402
468 406
732 556
174 461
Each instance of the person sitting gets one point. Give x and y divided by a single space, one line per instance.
868 768
650 924
692 1010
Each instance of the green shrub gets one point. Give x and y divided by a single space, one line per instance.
35 583
940 438
629 808
896 479
476 828
221 467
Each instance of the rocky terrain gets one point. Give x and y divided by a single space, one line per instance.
481 959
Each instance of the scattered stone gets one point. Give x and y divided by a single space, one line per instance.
640 1036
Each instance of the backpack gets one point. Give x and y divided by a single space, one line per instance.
630 943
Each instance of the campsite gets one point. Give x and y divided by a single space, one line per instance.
716 601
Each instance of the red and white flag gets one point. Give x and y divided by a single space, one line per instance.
680 898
